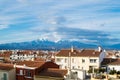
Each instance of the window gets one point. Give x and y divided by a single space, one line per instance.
65 67
82 68
58 59
28 73
65 60
93 60
21 72
73 67
4 76
83 60
72 60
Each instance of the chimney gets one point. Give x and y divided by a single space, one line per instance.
14 65
99 49
72 49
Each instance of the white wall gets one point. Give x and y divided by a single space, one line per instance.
77 63
116 67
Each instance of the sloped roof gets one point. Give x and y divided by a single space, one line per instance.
4 66
31 63
110 61
53 72
76 53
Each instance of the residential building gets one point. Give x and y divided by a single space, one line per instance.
5 55
111 64
26 70
7 72
23 55
85 59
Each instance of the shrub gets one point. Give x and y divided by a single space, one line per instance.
112 72
118 72
101 70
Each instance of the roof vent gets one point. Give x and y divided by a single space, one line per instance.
72 49
99 49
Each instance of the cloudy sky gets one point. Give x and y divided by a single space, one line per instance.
87 21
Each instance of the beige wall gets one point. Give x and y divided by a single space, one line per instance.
46 78
10 74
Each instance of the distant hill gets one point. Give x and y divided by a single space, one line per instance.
49 45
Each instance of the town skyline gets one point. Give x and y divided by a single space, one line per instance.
87 21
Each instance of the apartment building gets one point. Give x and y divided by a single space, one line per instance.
23 55
83 59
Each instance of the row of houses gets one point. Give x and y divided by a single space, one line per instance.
23 55
64 64
31 70
81 61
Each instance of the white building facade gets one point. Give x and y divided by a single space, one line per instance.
80 60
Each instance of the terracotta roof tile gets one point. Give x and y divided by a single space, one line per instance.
110 61
76 53
4 66
31 63
53 72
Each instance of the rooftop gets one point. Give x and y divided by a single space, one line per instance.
76 53
4 66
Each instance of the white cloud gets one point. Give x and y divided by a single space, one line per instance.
2 26
48 15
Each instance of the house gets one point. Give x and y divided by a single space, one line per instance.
111 64
50 73
75 60
5 55
7 72
26 70
23 55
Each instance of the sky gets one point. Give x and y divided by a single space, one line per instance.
87 21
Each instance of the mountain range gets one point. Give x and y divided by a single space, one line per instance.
50 45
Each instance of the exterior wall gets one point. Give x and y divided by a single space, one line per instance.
115 67
10 74
77 62
80 74
47 78
24 74
15 56
1 74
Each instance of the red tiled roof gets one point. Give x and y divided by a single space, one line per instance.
31 63
53 72
116 62
76 53
39 59
6 54
110 61
90 53
4 66
67 52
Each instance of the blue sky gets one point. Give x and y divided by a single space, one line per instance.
87 21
